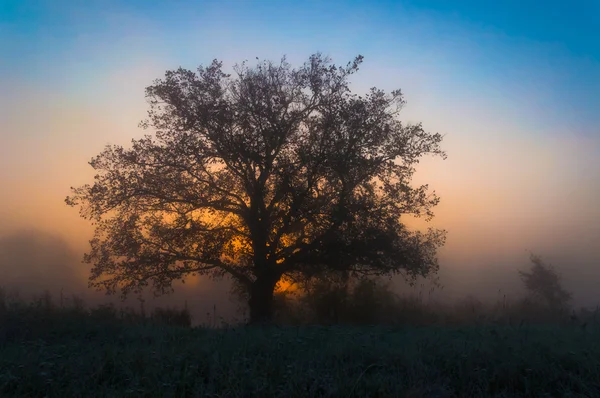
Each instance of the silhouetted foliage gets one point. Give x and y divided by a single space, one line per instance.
544 285
172 316
275 172
62 353
349 300
42 318
327 299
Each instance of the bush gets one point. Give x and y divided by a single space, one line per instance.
172 317
544 286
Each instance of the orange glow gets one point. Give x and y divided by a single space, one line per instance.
502 191
192 280
285 285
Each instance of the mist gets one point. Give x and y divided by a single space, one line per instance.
519 118
504 194
34 262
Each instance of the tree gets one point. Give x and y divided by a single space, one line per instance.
544 284
273 172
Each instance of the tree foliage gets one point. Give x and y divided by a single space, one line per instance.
544 284
272 171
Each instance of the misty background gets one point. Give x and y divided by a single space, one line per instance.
515 98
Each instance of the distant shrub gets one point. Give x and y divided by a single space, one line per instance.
172 316
104 312
544 286
329 299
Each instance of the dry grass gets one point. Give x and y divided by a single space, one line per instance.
51 351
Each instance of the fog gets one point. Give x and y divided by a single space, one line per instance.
520 128
505 192
34 262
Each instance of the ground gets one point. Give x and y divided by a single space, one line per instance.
88 357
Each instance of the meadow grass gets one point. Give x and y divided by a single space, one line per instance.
48 351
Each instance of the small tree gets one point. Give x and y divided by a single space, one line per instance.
544 284
275 172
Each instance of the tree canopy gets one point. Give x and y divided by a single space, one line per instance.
268 172
544 284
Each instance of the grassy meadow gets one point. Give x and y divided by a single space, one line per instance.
371 345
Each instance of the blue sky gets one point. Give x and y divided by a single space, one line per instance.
552 46
513 85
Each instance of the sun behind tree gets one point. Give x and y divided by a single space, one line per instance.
276 172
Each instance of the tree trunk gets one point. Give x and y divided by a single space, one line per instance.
260 302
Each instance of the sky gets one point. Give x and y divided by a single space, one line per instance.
512 85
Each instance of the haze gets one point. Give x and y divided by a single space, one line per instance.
513 87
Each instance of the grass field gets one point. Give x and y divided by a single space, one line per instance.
53 352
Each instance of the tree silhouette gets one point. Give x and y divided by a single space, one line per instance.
275 171
544 284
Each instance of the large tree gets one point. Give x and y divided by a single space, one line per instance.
268 173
